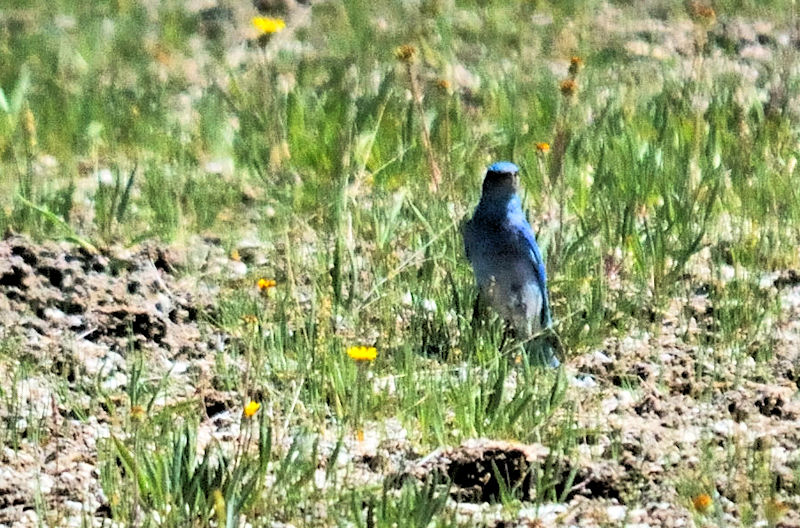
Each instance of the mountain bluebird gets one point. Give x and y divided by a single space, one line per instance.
507 263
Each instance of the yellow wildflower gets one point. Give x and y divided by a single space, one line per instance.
268 25
250 319
251 408
235 255
543 147
266 284
702 502
443 85
405 53
568 87
360 435
362 353
137 413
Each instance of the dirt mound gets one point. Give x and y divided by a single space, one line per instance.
480 470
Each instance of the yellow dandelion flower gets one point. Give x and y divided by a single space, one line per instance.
543 147
251 408
405 53
362 353
137 413
443 85
268 25
702 502
568 87
360 435
266 284
235 255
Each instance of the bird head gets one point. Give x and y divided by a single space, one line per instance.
502 179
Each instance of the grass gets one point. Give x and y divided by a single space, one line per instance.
122 122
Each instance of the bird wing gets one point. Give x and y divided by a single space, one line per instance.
527 242
466 235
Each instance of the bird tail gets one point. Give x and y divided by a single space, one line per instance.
545 349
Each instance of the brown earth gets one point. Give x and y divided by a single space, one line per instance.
69 315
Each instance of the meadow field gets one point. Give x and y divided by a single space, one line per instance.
233 289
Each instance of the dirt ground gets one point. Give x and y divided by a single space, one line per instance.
69 315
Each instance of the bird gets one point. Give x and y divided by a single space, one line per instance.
507 263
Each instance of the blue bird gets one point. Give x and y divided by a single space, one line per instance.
507 263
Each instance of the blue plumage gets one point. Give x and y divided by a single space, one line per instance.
508 265
503 166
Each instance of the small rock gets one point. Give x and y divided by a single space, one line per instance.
236 269
116 381
600 357
55 315
74 506
616 513
163 303
584 381
45 483
609 405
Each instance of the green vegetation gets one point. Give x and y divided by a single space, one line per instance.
125 121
